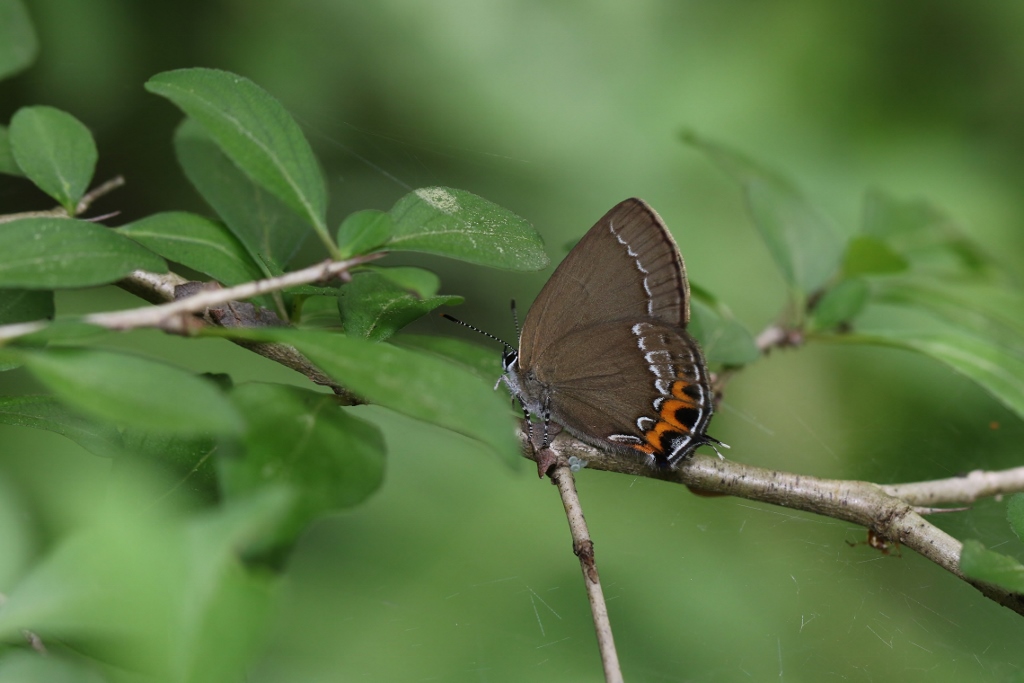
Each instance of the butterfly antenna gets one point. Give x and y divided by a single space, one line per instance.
477 329
515 317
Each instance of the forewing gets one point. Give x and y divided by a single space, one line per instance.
627 267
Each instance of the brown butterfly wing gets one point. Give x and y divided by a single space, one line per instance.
640 276
640 387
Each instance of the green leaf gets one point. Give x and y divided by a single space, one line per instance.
1015 514
49 253
460 225
922 234
421 281
166 598
45 412
196 242
994 368
318 312
374 307
840 304
7 163
63 330
723 339
55 151
418 385
485 362
186 461
995 313
361 231
18 43
866 255
982 564
886 217
269 229
306 441
805 245
132 390
24 305
256 133
21 306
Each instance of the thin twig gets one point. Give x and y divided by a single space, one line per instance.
178 315
173 316
583 547
156 288
83 204
875 507
966 489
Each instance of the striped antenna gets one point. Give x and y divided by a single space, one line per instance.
515 317
477 329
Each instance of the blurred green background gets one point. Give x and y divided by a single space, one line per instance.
460 569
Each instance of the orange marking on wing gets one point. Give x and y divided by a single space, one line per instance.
645 448
654 436
668 414
679 391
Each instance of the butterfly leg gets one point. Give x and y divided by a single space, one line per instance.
529 423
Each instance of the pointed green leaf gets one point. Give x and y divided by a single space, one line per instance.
18 43
196 242
922 234
131 390
374 307
460 225
55 151
867 255
804 243
255 132
269 229
302 439
997 370
840 304
978 562
421 386
50 253
361 231
45 412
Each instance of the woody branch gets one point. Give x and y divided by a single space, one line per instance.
895 512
